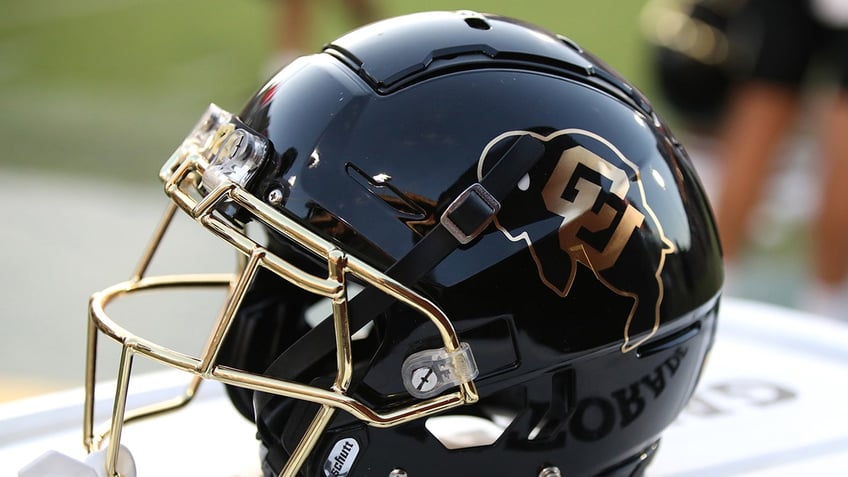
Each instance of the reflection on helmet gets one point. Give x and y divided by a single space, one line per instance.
484 253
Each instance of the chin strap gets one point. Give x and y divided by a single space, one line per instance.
466 217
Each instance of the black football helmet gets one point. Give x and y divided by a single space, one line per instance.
483 254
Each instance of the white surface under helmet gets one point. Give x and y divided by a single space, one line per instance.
771 403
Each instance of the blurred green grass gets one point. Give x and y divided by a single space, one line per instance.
107 88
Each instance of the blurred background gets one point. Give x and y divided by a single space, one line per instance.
95 94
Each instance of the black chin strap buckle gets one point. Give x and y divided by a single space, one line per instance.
470 213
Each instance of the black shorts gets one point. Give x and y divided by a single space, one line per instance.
784 38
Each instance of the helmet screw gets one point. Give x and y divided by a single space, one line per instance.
275 197
424 379
398 473
236 146
552 471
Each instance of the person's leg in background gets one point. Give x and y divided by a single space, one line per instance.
779 38
362 11
294 19
830 267
294 23
758 119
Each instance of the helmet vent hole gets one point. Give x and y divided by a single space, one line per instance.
478 23
459 431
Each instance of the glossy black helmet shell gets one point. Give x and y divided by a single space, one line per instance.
589 300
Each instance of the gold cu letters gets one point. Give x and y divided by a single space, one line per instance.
573 192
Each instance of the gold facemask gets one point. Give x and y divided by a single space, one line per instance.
209 171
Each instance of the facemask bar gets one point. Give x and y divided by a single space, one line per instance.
187 183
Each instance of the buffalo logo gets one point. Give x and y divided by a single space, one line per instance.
597 196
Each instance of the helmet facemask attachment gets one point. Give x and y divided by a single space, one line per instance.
207 178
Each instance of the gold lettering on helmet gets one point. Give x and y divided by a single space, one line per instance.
576 192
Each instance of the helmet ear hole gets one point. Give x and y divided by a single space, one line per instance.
270 319
256 339
480 425
536 412
459 431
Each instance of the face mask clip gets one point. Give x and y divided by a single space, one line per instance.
431 371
